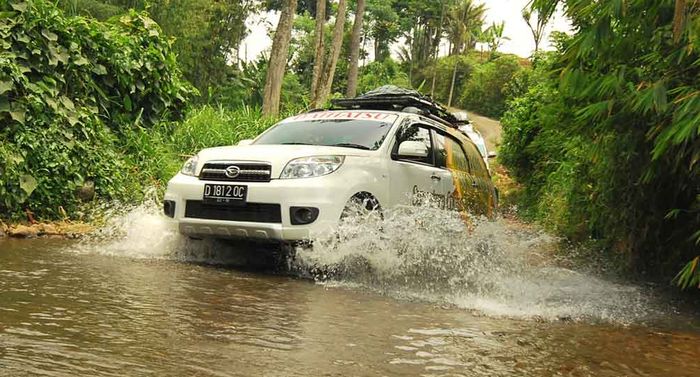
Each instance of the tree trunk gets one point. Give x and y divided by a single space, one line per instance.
324 89
355 49
432 85
436 48
452 85
320 50
678 19
278 60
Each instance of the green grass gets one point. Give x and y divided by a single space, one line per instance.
209 126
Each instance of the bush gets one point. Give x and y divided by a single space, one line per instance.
71 90
486 92
535 151
608 144
378 73
443 69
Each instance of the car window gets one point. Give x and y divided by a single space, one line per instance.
416 133
449 153
482 149
476 161
344 132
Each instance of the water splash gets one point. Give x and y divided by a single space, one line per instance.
496 268
143 232
135 232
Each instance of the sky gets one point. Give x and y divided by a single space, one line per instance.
520 40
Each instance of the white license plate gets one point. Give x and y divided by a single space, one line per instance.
224 194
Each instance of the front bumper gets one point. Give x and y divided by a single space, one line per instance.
328 194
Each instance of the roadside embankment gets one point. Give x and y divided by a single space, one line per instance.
48 230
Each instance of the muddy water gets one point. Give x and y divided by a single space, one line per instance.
136 306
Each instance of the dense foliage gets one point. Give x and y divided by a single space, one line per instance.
70 88
483 82
206 34
608 144
487 89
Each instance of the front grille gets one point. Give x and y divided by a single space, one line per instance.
251 212
249 171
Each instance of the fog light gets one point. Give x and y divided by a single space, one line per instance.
169 208
303 215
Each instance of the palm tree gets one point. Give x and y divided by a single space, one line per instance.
464 21
542 17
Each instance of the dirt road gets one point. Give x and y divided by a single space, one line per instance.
490 129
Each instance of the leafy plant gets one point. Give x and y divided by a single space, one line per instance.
616 147
70 89
689 276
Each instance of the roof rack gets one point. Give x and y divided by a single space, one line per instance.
391 97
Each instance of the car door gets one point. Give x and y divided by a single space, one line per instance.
460 185
481 180
414 180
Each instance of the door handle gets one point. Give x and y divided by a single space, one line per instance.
435 177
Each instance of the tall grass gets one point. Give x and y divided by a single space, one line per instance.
209 126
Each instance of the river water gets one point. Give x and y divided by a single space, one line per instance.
414 295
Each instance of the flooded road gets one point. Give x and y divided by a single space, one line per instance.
66 311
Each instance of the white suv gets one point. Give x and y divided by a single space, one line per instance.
293 181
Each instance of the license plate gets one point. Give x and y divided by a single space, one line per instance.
224 194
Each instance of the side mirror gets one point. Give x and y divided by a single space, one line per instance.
461 116
413 149
492 154
245 142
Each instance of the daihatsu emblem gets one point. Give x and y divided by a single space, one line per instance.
232 171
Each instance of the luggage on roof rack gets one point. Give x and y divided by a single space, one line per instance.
391 97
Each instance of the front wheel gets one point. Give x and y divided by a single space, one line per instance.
361 217
361 206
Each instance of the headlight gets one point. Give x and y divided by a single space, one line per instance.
190 166
307 167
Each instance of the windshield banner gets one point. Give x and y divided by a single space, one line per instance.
341 115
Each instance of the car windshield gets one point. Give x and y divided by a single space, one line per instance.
350 130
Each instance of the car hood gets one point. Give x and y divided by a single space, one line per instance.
277 155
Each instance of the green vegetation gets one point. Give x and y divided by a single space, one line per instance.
70 90
91 110
483 82
606 140
206 34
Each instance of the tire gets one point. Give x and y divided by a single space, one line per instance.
362 205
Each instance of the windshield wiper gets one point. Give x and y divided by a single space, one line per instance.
295 143
350 145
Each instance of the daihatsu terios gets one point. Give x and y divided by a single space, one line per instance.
294 181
